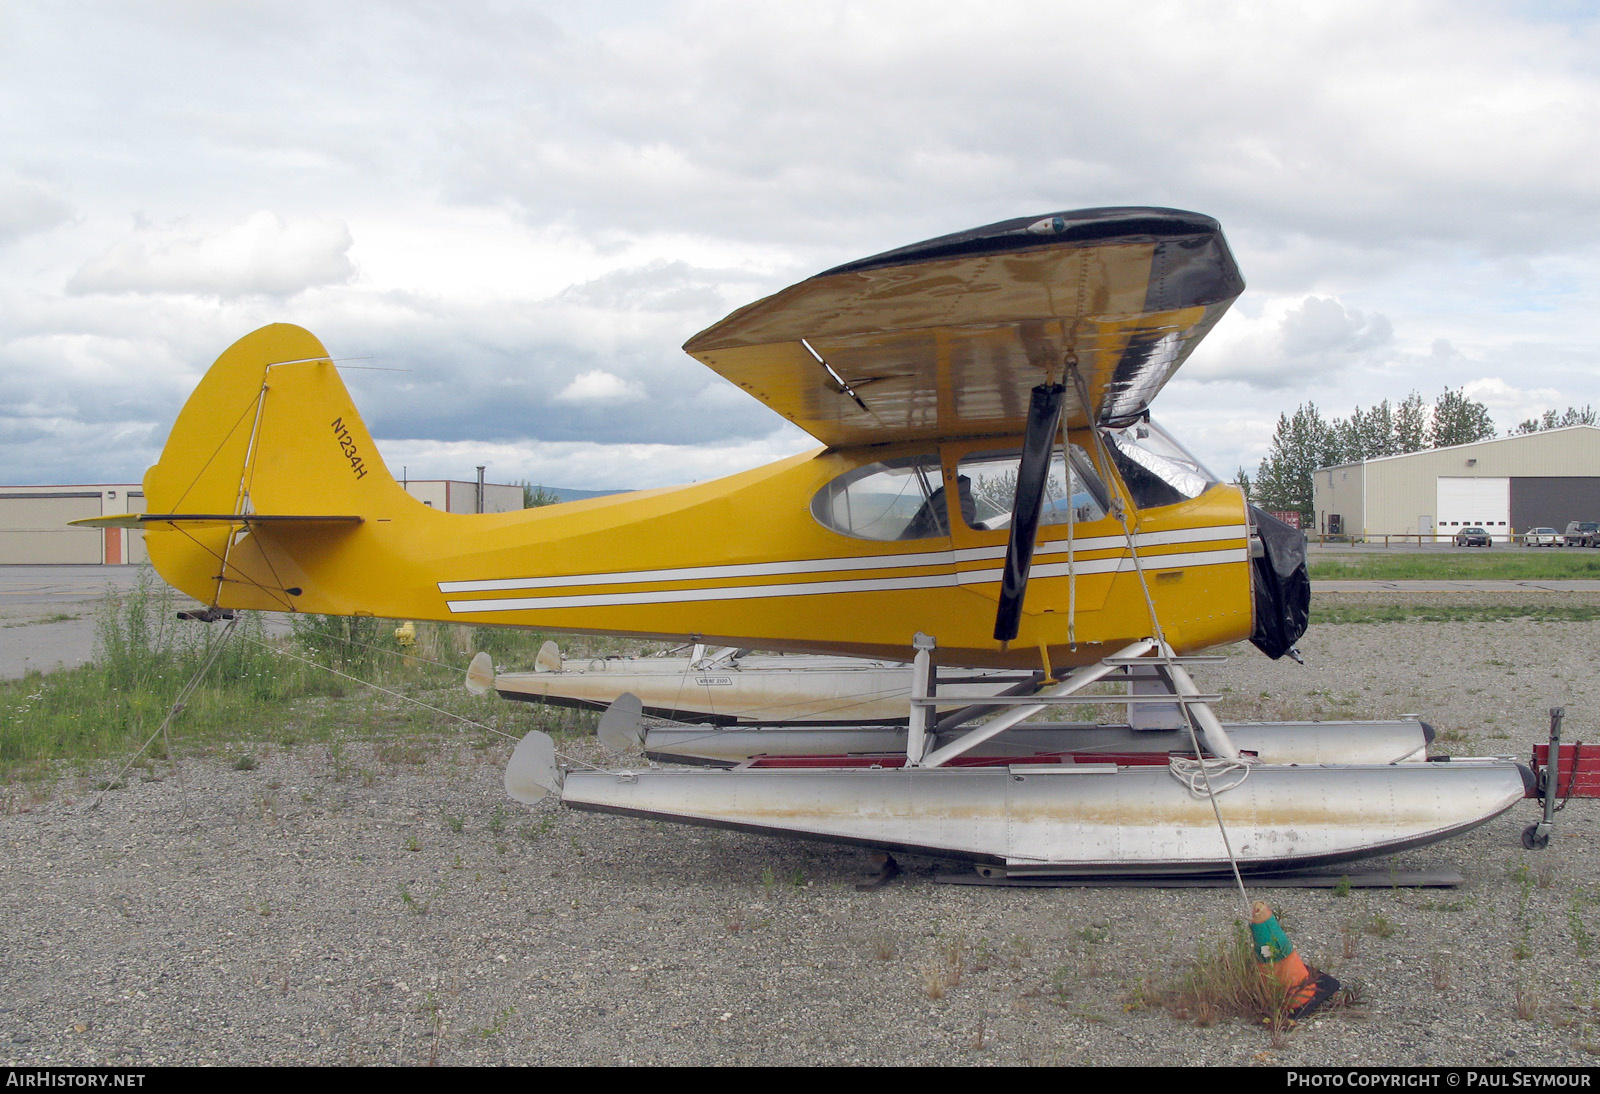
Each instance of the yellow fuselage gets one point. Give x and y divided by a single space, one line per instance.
738 561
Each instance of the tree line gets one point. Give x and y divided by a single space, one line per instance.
1305 441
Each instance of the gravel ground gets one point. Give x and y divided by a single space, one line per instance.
386 904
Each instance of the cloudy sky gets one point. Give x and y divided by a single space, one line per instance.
530 206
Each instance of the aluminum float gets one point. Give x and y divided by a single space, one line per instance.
984 798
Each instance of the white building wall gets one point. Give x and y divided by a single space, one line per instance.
1401 494
461 496
34 529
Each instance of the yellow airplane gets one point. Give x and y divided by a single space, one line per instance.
916 369
990 493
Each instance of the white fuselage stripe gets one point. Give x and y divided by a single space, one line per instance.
867 585
836 565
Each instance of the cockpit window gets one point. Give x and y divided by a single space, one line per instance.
1156 469
890 500
988 484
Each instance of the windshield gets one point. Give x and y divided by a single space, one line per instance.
1157 469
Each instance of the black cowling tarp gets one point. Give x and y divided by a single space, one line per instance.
1280 584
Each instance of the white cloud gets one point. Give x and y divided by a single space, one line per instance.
514 204
598 386
27 207
656 286
1508 404
1289 344
263 255
1321 327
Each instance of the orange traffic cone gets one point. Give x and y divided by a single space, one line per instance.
1308 989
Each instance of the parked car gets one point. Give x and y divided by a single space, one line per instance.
1472 537
1579 532
1542 537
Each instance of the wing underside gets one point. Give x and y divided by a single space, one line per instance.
946 338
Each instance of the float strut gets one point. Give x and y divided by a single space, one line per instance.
922 688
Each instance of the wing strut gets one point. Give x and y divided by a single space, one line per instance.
1044 418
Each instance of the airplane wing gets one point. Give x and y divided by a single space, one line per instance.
946 338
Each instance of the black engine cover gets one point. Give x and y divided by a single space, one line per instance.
1280 585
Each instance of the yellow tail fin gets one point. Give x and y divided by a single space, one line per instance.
270 432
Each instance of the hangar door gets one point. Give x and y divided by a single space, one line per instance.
33 529
135 552
1480 502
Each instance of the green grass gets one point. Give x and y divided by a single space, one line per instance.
1506 564
1225 980
57 617
144 656
1330 609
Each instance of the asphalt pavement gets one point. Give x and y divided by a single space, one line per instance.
47 614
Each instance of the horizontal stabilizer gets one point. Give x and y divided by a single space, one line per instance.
141 520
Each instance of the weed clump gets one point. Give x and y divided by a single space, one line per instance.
143 656
1226 981
349 643
259 688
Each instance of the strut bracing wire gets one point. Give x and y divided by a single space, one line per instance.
1163 651
1072 510
172 712
405 698
241 501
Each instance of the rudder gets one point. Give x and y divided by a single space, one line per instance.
271 429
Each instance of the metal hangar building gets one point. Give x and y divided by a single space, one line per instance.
1507 486
34 529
